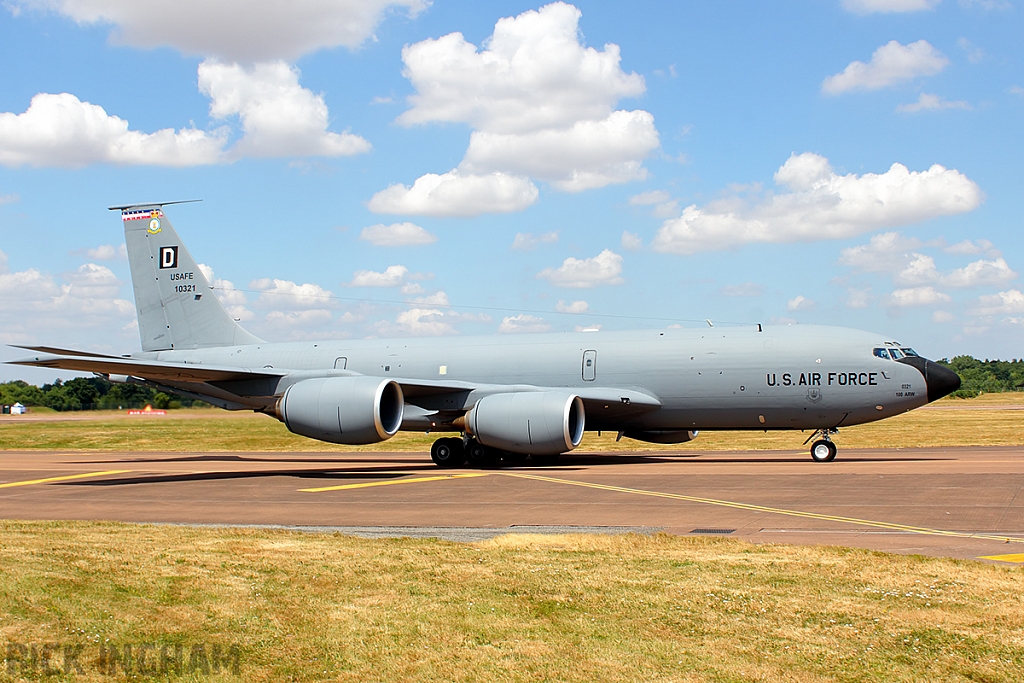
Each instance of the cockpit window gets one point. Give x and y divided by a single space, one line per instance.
893 353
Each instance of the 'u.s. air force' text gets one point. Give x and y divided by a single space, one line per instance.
813 379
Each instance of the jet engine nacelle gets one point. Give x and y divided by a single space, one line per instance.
661 435
348 410
537 423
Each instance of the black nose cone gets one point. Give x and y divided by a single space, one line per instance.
941 381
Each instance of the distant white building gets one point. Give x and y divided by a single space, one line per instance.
18 409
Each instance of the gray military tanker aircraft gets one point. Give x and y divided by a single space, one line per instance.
508 397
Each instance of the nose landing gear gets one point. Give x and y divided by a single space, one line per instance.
823 450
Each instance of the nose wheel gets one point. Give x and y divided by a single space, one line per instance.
823 450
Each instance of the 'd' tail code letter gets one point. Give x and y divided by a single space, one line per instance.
176 305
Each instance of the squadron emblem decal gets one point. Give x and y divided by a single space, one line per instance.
152 215
814 395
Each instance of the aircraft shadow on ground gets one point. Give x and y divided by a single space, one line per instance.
221 476
569 461
228 457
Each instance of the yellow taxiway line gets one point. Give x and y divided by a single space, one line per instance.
390 482
778 511
1016 558
67 477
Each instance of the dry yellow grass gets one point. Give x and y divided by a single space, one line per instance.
518 608
989 420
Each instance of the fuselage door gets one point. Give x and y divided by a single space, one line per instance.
589 366
341 363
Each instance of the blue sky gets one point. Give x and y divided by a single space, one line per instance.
379 168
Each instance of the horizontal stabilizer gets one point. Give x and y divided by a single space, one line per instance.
62 352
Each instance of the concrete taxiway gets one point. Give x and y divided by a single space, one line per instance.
952 502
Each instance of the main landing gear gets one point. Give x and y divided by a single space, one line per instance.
448 453
452 452
823 450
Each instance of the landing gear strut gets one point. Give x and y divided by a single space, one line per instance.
823 450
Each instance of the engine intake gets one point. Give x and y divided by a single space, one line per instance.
536 423
348 410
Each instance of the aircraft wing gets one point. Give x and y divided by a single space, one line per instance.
147 369
253 387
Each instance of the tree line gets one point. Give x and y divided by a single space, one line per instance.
96 393
986 376
90 393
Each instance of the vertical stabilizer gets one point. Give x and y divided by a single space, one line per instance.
176 305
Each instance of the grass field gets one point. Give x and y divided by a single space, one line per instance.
989 420
304 607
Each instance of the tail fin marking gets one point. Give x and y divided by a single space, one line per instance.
176 304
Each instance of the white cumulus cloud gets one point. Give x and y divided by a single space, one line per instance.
397 235
972 247
107 252
631 241
892 253
456 194
392 276
438 298
982 272
927 102
588 155
541 105
799 303
1004 303
820 204
279 117
885 252
287 295
533 74
523 323
650 197
61 130
917 296
428 322
572 307
35 305
603 269
890 65
919 270
237 30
